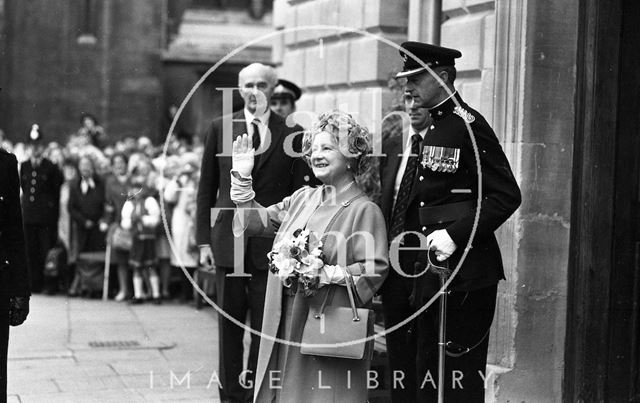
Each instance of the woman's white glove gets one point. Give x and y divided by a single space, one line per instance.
243 156
331 274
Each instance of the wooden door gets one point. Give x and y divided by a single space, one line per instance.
602 361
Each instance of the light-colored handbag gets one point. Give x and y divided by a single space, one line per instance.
121 239
332 331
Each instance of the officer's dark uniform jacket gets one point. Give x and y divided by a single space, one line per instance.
13 267
446 191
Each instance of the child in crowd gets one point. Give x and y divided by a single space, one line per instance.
141 215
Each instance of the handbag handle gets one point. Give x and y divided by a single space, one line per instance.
347 276
352 302
348 280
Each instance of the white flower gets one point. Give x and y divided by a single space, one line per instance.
283 264
311 265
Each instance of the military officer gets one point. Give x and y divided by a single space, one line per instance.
41 181
285 95
14 282
445 197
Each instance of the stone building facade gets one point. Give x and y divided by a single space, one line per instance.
518 69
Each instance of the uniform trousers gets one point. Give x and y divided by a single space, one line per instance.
401 343
39 239
469 317
238 296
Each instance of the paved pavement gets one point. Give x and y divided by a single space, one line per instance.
79 350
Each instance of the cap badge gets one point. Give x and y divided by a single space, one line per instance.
464 114
34 133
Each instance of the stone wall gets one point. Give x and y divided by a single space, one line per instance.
338 67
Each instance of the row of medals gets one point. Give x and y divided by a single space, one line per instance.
440 159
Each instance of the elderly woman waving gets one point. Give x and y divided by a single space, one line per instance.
328 260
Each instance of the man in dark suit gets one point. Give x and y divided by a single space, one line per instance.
397 289
440 190
275 176
14 279
41 181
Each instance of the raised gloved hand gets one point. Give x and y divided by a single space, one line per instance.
440 242
243 156
18 310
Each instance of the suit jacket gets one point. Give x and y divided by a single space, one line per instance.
89 206
40 192
12 242
275 176
83 207
433 188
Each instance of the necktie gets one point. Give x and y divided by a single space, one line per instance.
256 134
402 199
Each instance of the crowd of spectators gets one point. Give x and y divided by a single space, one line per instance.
108 206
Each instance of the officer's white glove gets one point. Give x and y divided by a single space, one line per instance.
440 242
243 156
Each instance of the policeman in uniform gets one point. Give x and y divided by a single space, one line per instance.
285 95
41 181
443 198
283 102
14 281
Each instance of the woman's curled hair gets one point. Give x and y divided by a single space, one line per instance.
355 143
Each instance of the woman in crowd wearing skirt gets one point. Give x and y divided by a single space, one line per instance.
116 190
181 191
141 215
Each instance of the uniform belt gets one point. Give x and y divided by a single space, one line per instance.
446 213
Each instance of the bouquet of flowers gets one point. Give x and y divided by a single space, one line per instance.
298 258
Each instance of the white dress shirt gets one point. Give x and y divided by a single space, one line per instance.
263 126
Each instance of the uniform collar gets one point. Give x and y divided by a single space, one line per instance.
36 161
445 108
421 133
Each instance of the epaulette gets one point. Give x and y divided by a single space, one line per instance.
464 114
